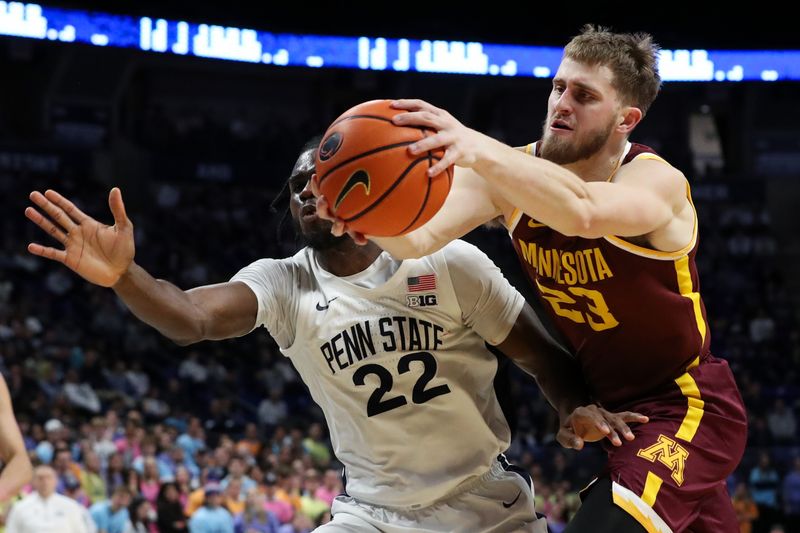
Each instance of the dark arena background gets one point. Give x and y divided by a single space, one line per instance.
201 135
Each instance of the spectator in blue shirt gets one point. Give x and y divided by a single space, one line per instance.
764 484
111 516
791 497
193 440
256 518
212 517
236 470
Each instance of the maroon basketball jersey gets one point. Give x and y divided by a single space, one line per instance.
633 316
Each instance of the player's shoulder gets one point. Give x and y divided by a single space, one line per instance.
642 163
299 260
284 272
639 152
461 254
638 156
461 247
456 254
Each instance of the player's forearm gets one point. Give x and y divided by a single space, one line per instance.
161 305
556 372
469 204
445 226
16 474
410 246
559 378
535 351
547 192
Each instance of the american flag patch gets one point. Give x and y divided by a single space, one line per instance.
426 282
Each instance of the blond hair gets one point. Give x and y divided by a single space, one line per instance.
631 57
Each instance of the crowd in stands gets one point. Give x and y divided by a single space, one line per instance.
150 437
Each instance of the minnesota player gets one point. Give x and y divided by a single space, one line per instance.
607 234
394 353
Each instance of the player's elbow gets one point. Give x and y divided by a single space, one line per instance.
184 341
188 335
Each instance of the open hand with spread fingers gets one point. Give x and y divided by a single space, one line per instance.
99 253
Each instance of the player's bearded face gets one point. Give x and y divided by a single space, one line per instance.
317 233
577 146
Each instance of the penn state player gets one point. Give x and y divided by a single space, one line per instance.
607 234
403 375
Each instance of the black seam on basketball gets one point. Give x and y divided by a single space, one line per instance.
364 154
430 154
421 209
351 117
387 192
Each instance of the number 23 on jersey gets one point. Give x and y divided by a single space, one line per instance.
581 305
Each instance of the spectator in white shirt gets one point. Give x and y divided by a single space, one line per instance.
45 511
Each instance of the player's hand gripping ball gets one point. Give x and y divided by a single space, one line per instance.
369 178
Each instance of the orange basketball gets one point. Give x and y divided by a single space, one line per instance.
370 179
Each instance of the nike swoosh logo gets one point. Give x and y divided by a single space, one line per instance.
322 308
507 505
359 177
533 224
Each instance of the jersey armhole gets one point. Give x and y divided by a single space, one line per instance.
658 254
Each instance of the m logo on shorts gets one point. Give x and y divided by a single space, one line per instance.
669 453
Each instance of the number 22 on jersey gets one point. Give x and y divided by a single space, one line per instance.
421 394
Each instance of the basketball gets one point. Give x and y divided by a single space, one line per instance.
370 179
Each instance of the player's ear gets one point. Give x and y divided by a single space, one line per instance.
629 118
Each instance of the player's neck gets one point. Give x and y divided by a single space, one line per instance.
602 165
348 258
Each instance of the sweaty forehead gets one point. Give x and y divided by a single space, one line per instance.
304 164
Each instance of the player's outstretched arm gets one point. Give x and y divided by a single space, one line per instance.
103 255
561 381
645 196
469 204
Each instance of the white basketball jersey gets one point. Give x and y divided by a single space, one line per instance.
397 362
